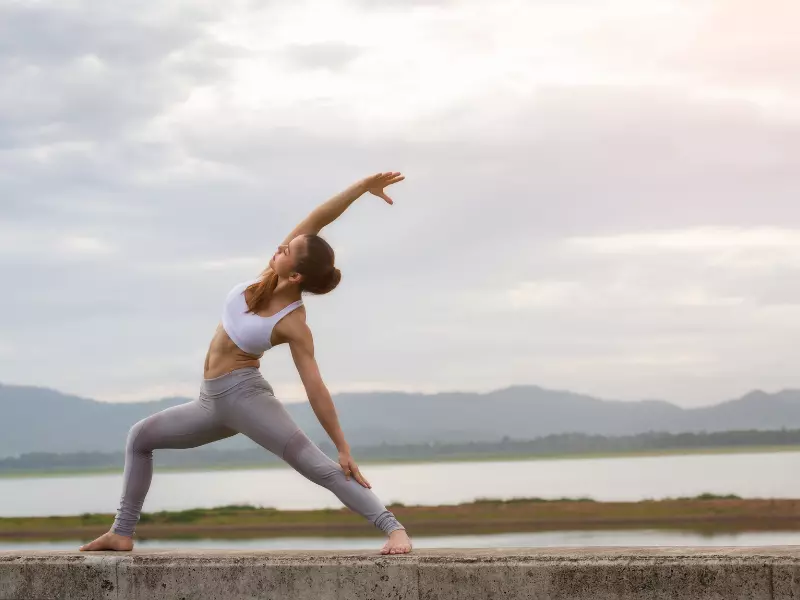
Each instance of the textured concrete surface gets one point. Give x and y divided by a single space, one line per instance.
766 573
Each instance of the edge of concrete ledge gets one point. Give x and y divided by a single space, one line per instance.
596 573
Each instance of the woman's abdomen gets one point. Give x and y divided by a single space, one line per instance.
224 356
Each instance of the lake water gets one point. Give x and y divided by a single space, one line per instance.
757 475
504 540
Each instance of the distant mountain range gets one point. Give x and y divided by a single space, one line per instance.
34 419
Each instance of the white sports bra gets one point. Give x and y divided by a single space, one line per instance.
250 332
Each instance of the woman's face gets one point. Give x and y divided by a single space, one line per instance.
286 257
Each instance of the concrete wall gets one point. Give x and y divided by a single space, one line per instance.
768 573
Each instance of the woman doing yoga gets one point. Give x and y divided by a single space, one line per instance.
234 398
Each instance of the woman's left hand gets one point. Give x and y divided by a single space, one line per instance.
350 467
374 184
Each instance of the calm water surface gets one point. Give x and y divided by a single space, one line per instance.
758 475
505 540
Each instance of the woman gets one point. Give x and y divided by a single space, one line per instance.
234 397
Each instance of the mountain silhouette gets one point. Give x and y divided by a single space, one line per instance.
44 420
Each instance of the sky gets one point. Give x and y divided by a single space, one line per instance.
600 195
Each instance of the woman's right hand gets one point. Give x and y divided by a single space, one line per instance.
375 184
350 467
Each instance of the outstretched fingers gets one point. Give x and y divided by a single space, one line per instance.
388 178
379 181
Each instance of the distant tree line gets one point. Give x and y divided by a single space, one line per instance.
557 444
582 443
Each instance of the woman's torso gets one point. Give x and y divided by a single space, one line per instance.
224 355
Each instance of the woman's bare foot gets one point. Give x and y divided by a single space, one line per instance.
398 543
109 541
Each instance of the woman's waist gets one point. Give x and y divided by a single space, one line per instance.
215 386
218 364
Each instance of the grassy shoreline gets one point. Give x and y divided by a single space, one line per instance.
704 514
363 460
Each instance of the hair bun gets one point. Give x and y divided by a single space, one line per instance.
328 281
334 278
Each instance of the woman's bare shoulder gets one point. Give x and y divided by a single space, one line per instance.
293 327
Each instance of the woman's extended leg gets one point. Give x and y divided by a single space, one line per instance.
185 426
260 416
311 462
307 459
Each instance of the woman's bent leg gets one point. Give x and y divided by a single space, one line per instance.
185 426
255 412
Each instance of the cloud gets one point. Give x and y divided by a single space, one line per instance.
743 44
323 55
402 4
700 269
85 245
82 79
733 247
693 240
596 199
49 245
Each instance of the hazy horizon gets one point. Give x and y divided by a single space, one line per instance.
600 196
710 402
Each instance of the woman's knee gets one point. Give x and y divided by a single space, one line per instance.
138 438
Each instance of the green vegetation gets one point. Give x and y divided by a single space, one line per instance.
530 500
706 513
711 497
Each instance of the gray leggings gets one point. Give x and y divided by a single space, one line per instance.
238 402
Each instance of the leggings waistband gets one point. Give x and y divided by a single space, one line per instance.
219 385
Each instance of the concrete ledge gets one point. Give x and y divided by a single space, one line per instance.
766 573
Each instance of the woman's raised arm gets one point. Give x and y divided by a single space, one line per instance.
327 212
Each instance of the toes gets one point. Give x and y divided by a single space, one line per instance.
397 549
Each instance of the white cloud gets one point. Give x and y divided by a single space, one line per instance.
252 263
696 239
616 294
696 268
46 244
414 65
731 247
84 245
601 195
531 294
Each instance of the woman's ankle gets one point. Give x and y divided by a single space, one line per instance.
120 534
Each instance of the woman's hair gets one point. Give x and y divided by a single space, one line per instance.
316 267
